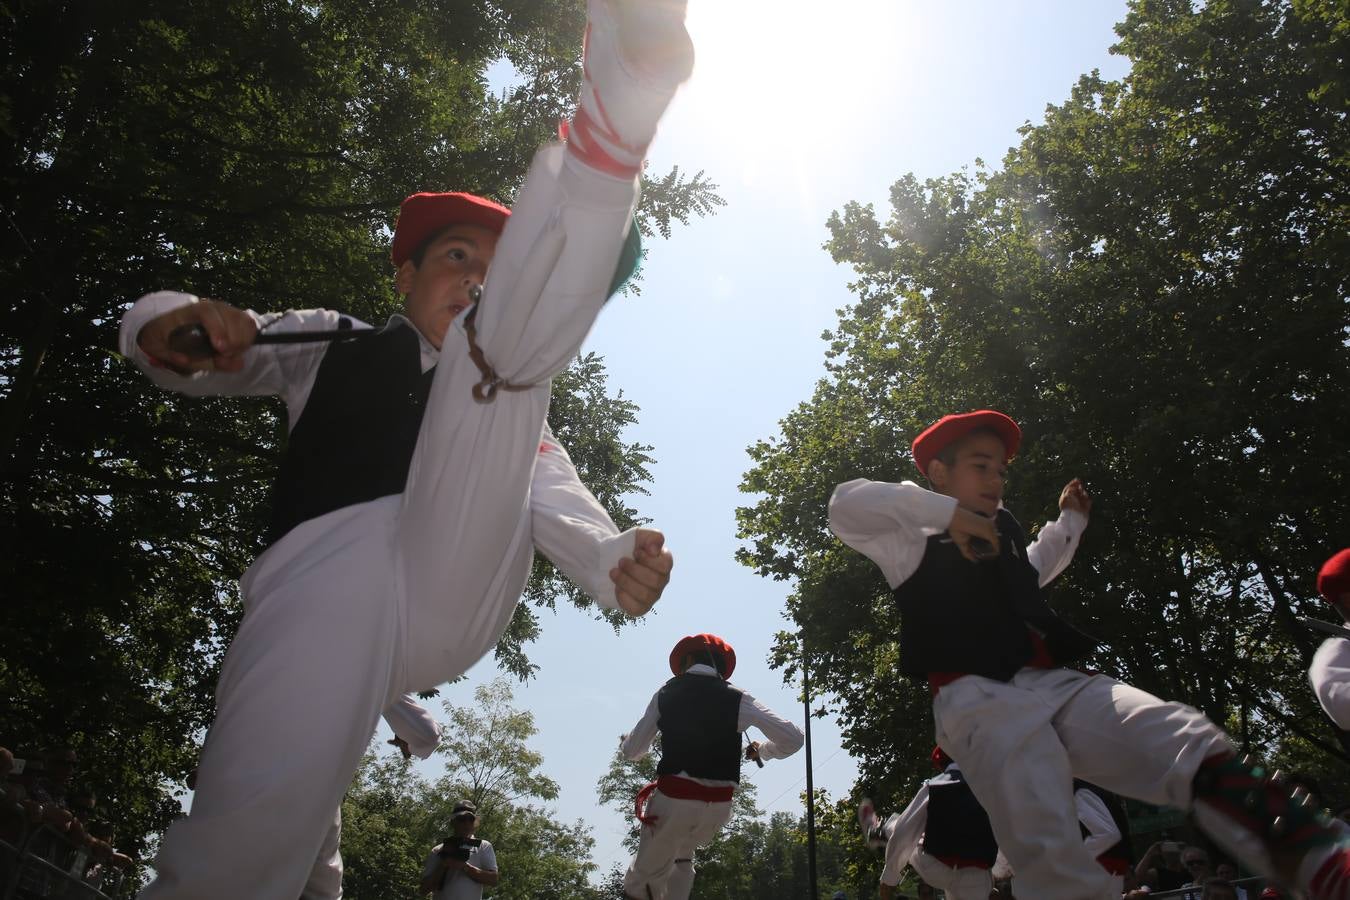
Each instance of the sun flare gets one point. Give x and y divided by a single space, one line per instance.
781 83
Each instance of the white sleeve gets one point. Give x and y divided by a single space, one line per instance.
1330 677
889 523
487 857
433 863
1054 546
1096 818
908 827
284 370
411 721
638 741
571 528
784 738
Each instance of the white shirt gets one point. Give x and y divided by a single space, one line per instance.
411 722
1096 818
458 885
1330 677
568 525
890 524
905 835
784 738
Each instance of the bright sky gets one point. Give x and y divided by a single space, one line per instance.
795 108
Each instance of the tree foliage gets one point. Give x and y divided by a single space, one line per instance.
254 152
1155 285
392 817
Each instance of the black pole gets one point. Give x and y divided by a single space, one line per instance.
810 784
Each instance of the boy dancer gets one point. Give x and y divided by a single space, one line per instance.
943 833
975 624
700 716
406 510
1330 670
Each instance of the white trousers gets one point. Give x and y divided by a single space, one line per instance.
964 883
663 868
1021 743
405 592
325 878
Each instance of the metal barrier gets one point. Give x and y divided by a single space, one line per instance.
1252 885
47 864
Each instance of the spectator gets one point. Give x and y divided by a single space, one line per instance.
463 864
1161 868
1228 872
52 785
80 803
1217 889
1196 862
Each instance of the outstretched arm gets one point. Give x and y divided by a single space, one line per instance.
412 724
784 738
240 367
1055 545
1330 677
906 831
637 742
620 570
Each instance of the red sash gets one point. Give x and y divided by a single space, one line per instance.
680 789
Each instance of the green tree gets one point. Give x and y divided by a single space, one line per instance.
1154 284
393 818
254 152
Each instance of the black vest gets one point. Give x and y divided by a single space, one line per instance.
1120 850
959 616
958 827
699 715
355 438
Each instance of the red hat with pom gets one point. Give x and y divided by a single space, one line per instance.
720 653
1333 582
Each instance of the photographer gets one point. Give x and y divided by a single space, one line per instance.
1161 868
460 866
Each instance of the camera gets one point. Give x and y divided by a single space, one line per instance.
452 849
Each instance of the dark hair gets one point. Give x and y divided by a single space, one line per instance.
707 656
947 455
420 252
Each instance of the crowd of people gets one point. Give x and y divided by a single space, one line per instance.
51 832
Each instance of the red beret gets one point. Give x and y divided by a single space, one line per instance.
422 215
697 643
1334 579
940 759
948 428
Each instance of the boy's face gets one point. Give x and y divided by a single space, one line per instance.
438 290
976 476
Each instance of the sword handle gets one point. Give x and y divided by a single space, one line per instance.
192 341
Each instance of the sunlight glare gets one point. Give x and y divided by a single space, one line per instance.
778 85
